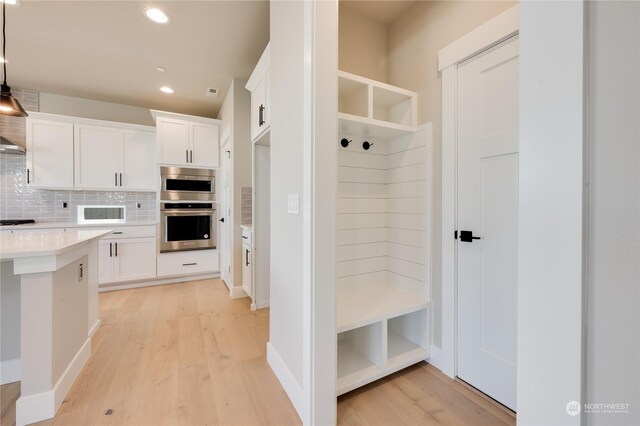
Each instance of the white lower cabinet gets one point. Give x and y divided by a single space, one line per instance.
126 259
188 262
246 269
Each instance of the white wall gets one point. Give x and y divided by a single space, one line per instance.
287 134
551 228
613 317
88 108
362 45
413 45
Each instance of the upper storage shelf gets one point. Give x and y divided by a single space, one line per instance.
372 108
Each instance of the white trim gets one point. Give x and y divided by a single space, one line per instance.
95 327
435 358
288 382
173 280
90 122
156 114
486 35
237 293
489 34
10 371
260 69
43 405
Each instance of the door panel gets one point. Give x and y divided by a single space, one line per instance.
174 141
96 157
136 259
138 159
225 213
105 262
204 145
488 206
50 153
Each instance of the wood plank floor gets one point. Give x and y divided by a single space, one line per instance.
187 354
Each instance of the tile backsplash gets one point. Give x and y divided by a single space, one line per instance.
18 201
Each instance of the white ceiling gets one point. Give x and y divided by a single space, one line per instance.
109 51
384 12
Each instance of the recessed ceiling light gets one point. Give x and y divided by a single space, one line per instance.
160 69
156 15
166 89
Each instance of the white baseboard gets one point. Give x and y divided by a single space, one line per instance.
261 305
43 405
436 357
237 293
10 371
96 326
288 382
172 280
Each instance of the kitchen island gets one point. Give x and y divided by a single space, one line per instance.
52 277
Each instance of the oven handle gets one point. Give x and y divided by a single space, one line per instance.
187 213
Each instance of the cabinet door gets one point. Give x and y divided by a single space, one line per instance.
173 137
257 101
204 145
135 258
96 157
137 160
105 261
246 269
49 154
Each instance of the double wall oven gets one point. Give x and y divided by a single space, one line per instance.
187 209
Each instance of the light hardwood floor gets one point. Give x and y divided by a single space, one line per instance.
187 354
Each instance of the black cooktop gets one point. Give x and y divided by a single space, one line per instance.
7 222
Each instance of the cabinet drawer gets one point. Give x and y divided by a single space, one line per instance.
246 236
130 231
188 262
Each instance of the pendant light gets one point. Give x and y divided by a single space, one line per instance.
8 104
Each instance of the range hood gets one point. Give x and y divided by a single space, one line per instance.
8 147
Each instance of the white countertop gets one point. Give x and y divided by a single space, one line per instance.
59 225
44 243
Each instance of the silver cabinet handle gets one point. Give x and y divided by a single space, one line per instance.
186 155
80 272
190 264
246 257
28 176
117 232
110 249
120 179
261 115
115 175
116 244
191 161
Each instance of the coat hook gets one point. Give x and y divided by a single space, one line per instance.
344 142
366 145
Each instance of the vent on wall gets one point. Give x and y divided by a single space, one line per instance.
212 91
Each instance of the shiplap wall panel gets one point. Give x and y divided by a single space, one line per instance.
417 222
362 220
382 212
361 251
360 175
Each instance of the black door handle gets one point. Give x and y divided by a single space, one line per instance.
222 220
467 236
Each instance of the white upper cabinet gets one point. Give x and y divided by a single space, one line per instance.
137 160
96 157
72 152
187 141
258 85
49 154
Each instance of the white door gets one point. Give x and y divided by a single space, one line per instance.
204 145
137 160
49 154
225 213
488 207
105 261
96 157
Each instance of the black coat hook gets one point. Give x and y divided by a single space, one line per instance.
344 142
366 145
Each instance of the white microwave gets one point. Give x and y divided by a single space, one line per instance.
101 214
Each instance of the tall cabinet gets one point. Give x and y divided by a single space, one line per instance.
383 290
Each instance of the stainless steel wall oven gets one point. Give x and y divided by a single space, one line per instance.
187 226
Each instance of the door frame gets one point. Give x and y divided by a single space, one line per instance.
225 145
493 32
